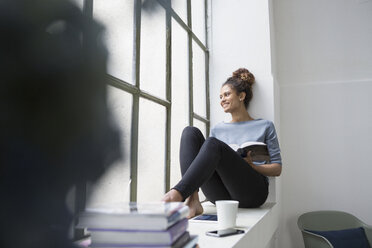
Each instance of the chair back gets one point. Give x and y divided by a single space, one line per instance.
328 221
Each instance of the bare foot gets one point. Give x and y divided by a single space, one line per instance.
194 205
172 196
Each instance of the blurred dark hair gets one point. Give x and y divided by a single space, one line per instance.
242 81
56 129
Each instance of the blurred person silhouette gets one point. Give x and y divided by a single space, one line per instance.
56 130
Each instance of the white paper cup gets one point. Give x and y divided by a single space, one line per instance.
226 213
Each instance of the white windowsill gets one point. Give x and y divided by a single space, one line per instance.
259 225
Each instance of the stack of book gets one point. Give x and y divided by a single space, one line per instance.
137 225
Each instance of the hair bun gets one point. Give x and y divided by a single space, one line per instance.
244 75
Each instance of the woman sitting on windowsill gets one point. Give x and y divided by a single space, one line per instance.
212 165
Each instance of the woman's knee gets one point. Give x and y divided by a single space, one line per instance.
212 141
191 131
212 144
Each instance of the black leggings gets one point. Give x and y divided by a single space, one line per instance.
219 171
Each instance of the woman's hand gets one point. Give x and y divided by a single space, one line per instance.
271 170
248 159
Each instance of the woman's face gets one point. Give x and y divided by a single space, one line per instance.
230 101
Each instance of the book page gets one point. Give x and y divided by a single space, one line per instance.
235 147
250 143
137 208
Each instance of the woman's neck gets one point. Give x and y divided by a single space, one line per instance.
241 115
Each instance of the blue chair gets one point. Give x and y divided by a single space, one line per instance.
328 221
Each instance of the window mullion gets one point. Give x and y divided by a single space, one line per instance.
135 106
81 187
191 93
168 95
207 67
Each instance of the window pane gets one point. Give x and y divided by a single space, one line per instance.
202 127
117 16
198 19
113 185
180 95
153 53
199 88
151 151
180 7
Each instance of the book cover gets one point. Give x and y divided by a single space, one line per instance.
259 152
134 216
139 237
185 241
204 218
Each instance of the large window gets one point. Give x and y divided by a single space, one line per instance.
158 84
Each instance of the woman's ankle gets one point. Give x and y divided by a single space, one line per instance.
194 204
172 195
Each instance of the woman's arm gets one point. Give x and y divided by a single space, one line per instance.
270 170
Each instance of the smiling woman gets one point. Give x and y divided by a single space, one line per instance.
241 84
212 165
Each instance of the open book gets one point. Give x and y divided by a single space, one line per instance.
259 152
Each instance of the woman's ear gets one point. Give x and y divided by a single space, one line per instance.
242 96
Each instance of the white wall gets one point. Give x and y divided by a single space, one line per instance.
240 37
324 69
